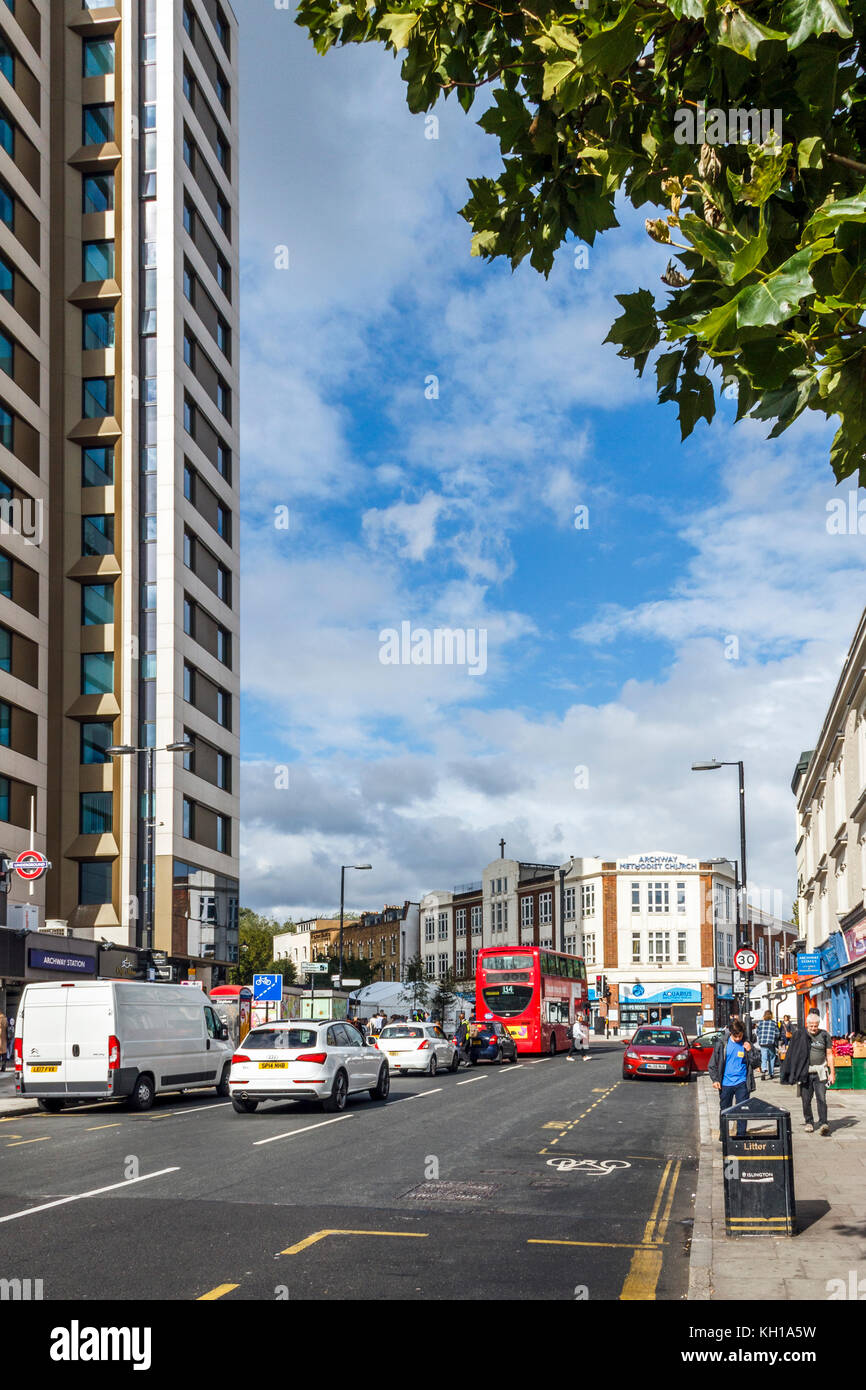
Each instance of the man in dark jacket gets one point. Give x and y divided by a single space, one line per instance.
809 1063
731 1069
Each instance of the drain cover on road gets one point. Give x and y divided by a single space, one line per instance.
452 1191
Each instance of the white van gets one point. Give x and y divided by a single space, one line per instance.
99 1039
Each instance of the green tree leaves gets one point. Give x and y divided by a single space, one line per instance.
599 102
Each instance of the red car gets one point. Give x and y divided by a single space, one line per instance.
702 1049
657 1050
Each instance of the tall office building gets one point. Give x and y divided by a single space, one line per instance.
118 438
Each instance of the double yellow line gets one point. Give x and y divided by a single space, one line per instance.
646 1262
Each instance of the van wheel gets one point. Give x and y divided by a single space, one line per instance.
49 1106
141 1096
243 1106
223 1088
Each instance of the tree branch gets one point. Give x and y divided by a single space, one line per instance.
849 163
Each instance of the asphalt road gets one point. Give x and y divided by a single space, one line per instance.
550 1180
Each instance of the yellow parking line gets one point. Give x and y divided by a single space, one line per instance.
92 1128
44 1139
320 1235
599 1244
643 1276
216 1293
646 1263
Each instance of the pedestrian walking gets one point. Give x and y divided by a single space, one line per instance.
768 1038
809 1063
461 1037
731 1070
4 1029
579 1039
10 1037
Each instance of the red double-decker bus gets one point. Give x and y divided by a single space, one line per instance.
535 992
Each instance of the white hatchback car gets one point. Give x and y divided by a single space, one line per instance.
418 1047
306 1059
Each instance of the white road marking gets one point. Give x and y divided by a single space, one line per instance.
513 1067
469 1080
95 1192
290 1134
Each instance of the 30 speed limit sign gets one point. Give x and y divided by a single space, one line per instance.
745 959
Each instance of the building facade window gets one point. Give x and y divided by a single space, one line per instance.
95 813
98 260
589 947
442 922
476 925
97 534
570 904
681 897
98 60
97 673
659 948
635 948
635 897
98 124
97 467
587 899
94 882
97 604
682 947
545 909
429 928
526 911
658 897
96 736
461 963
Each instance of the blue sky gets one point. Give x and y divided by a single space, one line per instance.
606 646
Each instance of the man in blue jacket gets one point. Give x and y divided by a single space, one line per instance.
731 1070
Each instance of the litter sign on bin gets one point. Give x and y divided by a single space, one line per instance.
758 1170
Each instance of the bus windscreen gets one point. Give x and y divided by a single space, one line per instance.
507 1000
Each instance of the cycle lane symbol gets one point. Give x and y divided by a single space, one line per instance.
595 1167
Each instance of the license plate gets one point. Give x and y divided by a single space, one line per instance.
656 1066
32 1068
272 1066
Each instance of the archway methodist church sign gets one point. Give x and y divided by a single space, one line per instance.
657 863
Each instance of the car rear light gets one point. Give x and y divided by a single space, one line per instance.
422 1045
240 1057
113 1053
19 1054
312 1057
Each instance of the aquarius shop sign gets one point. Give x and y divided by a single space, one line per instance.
689 993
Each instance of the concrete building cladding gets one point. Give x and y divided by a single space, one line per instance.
118 422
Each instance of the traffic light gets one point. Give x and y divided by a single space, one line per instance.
602 989
5 871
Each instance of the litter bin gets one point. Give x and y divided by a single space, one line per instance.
758 1170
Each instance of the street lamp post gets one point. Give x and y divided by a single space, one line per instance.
343 869
127 750
743 921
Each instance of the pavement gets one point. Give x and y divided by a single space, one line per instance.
548 1180
829 1186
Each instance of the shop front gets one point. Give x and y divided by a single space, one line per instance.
29 957
679 1004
